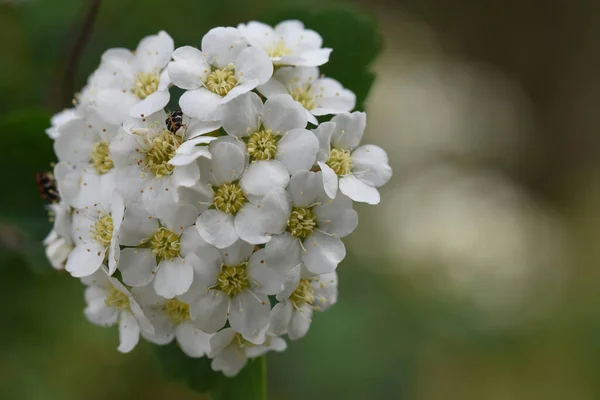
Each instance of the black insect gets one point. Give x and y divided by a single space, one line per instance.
174 121
46 185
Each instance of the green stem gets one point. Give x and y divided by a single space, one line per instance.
250 384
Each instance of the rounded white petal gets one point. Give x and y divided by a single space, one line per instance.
323 133
192 340
330 180
201 104
217 228
280 318
323 253
209 311
253 66
174 277
230 361
129 332
299 323
187 175
370 164
297 150
151 104
113 105
256 223
85 259
257 33
137 266
137 226
154 52
359 191
227 163
221 46
189 68
337 217
261 177
349 129
305 188
241 116
249 314
282 113
237 253
332 98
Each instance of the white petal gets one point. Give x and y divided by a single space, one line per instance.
241 116
129 332
323 133
249 314
114 104
137 226
349 129
217 228
300 323
189 68
256 223
197 128
291 282
305 188
186 175
222 46
137 266
297 150
192 340
337 216
201 104
174 277
332 98
359 191
200 196
237 253
273 87
96 310
370 164
209 311
271 266
207 263
76 141
330 180
85 259
151 104
230 361
282 113
263 176
310 58
323 253
253 66
227 163
154 52
280 318
257 33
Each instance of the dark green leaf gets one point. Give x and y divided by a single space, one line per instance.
354 37
195 372
249 384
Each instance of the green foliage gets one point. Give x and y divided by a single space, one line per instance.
354 37
250 384
26 150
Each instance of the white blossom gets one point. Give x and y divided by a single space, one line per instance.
289 43
109 302
317 94
58 120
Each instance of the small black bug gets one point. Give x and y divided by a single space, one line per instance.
174 121
46 185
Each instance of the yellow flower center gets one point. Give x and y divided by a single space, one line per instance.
116 299
262 145
229 198
303 95
303 294
145 84
221 81
100 159
340 161
239 340
302 222
165 244
102 230
278 49
163 149
178 311
233 280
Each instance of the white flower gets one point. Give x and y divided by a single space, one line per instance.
361 170
316 223
318 95
152 163
288 43
239 211
58 120
224 69
57 249
109 302
171 320
85 173
96 237
274 135
303 292
129 84
229 290
162 251
230 351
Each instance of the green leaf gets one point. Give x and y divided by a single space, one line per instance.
26 150
354 37
249 384
176 365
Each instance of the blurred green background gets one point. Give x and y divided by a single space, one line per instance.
477 276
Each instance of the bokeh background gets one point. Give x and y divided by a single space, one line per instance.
476 278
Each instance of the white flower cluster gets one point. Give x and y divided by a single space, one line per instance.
219 225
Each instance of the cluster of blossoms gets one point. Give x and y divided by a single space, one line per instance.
218 226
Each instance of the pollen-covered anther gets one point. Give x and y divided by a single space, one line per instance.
116 299
102 230
221 81
165 244
229 198
303 294
340 161
279 49
100 158
304 96
145 84
233 279
262 145
177 310
302 222
163 149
